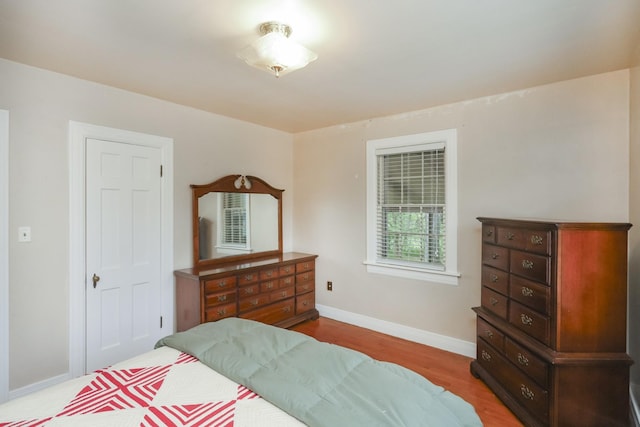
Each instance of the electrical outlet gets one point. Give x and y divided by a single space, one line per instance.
329 286
24 234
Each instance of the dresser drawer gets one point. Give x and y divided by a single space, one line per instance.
273 313
530 321
495 302
492 335
488 233
282 294
534 267
221 284
530 395
305 266
248 278
495 256
269 285
527 362
495 279
287 270
531 294
492 360
305 287
212 314
305 302
510 237
538 241
308 276
269 273
253 302
219 298
286 281
247 291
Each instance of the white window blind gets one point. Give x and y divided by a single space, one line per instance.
234 219
411 207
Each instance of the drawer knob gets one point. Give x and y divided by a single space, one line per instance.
493 301
248 277
536 240
488 333
494 256
526 320
248 291
222 298
510 236
526 392
527 264
254 302
527 292
222 283
270 285
522 359
489 233
222 312
486 356
287 309
305 303
494 278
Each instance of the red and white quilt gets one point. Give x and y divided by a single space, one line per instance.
163 387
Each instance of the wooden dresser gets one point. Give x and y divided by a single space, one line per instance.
552 322
278 290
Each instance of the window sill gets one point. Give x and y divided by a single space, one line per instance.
443 277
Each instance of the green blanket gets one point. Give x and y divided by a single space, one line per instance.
319 383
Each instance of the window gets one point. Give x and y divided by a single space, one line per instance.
411 206
233 233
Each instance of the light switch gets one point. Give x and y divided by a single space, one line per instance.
24 234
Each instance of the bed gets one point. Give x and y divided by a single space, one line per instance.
239 373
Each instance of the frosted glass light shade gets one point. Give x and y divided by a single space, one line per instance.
276 53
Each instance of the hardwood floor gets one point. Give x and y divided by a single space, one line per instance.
442 368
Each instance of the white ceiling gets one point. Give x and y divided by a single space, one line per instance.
376 57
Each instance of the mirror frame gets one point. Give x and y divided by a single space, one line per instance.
227 184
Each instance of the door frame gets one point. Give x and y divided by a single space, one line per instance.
4 256
78 135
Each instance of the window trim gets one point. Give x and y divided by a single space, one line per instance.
407 143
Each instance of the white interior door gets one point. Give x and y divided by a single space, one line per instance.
123 251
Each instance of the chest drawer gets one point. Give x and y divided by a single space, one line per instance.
286 281
287 270
253 302
488 233
221 284
495 302
529 321
305 302
531 294
492 335
495 279
534 267
247 291
495 256
305 287
212 314
248 278
530 395
220 298
269 285
272 313
304 266
269 273
282 294
527 362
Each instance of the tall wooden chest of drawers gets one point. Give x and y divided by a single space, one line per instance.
552 322
276 290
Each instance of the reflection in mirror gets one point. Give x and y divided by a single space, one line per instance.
236 224
236 218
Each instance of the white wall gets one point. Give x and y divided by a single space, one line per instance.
557 152
41 103
634 233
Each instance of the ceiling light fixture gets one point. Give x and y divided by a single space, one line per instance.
275 52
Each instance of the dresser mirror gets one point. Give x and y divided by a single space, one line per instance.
235 218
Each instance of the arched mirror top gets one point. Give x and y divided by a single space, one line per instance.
235 218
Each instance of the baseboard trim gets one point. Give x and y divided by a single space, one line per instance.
442 342
40 385
634 406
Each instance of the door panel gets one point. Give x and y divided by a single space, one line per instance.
123 220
